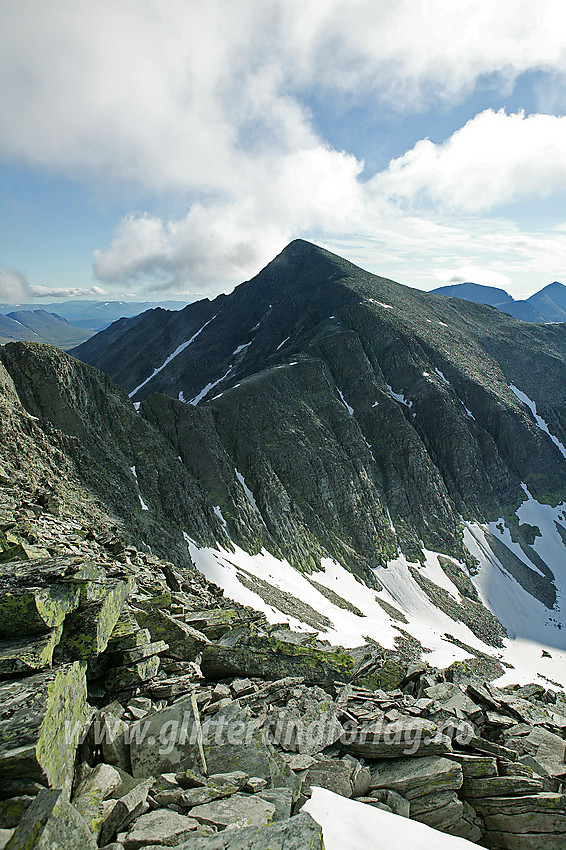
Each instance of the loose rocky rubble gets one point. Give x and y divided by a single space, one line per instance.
139 708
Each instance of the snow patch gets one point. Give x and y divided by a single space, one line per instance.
400 397
441 376
538 419
345 403
350 825
249 494
205 391
171 357
218 513
281 344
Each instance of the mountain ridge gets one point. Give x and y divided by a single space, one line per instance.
546 305
401 451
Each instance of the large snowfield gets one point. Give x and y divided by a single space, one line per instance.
532 627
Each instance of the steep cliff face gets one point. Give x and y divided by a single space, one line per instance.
71 432
342 397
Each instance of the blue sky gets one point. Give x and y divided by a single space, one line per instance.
170 149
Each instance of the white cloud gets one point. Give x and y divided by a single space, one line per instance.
61 292
473 274
208 103
494 159
13 286
218 244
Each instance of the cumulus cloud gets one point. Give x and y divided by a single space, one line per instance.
218 243
177 95
492 160
61 292
207 103
13 286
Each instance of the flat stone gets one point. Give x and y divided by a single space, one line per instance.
33 610
475 766
281 798
501 786
255 784
238 810
443 816
414 778
491 749
332 774
41 718
128 807
88 629
91 794
528 822
114 734
297 833
132 675
411 736
546 803
547 748
183 640
167 741
26 655
12 810
300 762
242 687
513 841
233 741
161 827
307 729
395 802
51 822
273 658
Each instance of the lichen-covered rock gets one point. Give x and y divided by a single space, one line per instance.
25 655
184 641
131 675
333 774
501 786
306 727
161 827
41 718
403 737
51 822
415 777
168 741
272 658
29 611
127 807
296 833
90 799
236 811
86 631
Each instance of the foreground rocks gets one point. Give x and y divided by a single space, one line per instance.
139 709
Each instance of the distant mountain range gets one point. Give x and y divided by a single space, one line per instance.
547 305
70 323
40 326
95 315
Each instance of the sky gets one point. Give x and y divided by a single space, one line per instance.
168 149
